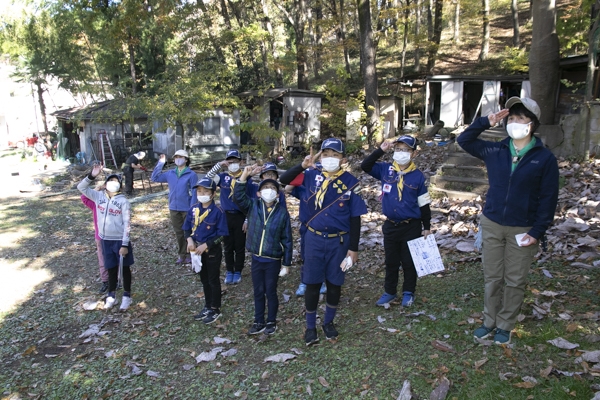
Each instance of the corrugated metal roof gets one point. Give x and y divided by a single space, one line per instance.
102 109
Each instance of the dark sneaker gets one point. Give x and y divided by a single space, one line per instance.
386 299
483 332
330 332
229 278
237 278
188 260
212 316
179 260
502 336
256 328
271 328
202 315
310 337
103 288
408 298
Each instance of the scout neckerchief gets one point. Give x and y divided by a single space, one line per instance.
233 179
518 155
199 218
401 172
339 185
179 173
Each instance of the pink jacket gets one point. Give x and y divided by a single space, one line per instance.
92 206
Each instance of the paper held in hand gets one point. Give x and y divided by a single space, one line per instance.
426 255
196 262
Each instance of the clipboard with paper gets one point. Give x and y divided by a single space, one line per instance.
426 255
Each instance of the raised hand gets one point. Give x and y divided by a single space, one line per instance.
163 158
96 170
499 116
386 145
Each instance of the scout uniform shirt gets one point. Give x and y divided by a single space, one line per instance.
206 224
227 185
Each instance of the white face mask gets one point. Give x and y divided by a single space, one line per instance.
180 162
518 131
402 157
268 195
203 199
234 167
330 164
113 186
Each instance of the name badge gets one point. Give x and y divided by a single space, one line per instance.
387 188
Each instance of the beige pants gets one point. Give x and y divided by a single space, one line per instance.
505 269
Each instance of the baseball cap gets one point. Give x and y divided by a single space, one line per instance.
334 144
207 183
273 181
233 153
529 104
181 153
118 176
408 140
269 167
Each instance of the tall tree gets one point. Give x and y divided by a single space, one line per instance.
418 35
514 11
485 40
298 21
369 71
274 51
436 36
456 35
544 58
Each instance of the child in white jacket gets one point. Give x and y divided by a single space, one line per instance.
114 213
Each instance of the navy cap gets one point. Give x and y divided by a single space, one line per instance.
118 176
333 144
273 181
269 167
206 183
233 153
408 140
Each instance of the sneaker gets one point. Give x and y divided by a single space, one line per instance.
188 260
103 288
212 316
202 315
408 298
271 328
301 290
256 328
125 303
502 336
179 260
483 332
110 302
237 278
229 278
310 337
330 332
386 299
323 288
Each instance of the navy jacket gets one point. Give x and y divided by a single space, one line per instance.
525 197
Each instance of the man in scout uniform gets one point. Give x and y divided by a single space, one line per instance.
333 208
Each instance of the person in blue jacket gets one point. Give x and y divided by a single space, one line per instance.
234 243
205 226
334 208
519 207
181 181
269 239
405 203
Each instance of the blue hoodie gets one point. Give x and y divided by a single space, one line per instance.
181 195
525 197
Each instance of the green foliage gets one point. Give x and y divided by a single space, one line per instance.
572 24
339 102
516 61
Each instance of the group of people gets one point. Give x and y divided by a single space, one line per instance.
520 205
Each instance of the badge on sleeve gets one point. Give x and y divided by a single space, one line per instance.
387 188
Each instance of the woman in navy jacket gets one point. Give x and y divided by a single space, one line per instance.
520 205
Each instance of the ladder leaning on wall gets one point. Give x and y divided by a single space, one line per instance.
106 151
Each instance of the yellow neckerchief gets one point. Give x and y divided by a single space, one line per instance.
233 180
199 218
401 172
323 188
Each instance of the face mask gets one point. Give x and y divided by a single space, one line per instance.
203 199
113 186
180 162
268 195
330 164
234 167
518 131
402 157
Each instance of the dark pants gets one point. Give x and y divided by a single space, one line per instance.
265 274
235 250
395 238
110 251
177 220
303 230
210 276
128 173
113 277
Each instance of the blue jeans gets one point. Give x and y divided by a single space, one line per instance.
265 274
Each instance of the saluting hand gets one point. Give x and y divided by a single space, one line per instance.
499 116
386 145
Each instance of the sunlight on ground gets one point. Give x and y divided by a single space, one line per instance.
12 239
19 281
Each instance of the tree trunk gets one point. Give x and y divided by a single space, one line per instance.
234 48
343 36
269 28
417 34
209 31
369 71
132 66
40 94
319 37
544 59
300 44
405 17
485 42
514 9
437 35
456 37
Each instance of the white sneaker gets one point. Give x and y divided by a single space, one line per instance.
125 303
110 302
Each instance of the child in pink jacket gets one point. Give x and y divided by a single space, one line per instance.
103 272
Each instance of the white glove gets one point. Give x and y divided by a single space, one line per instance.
346 264
283 271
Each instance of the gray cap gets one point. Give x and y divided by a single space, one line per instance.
529 104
